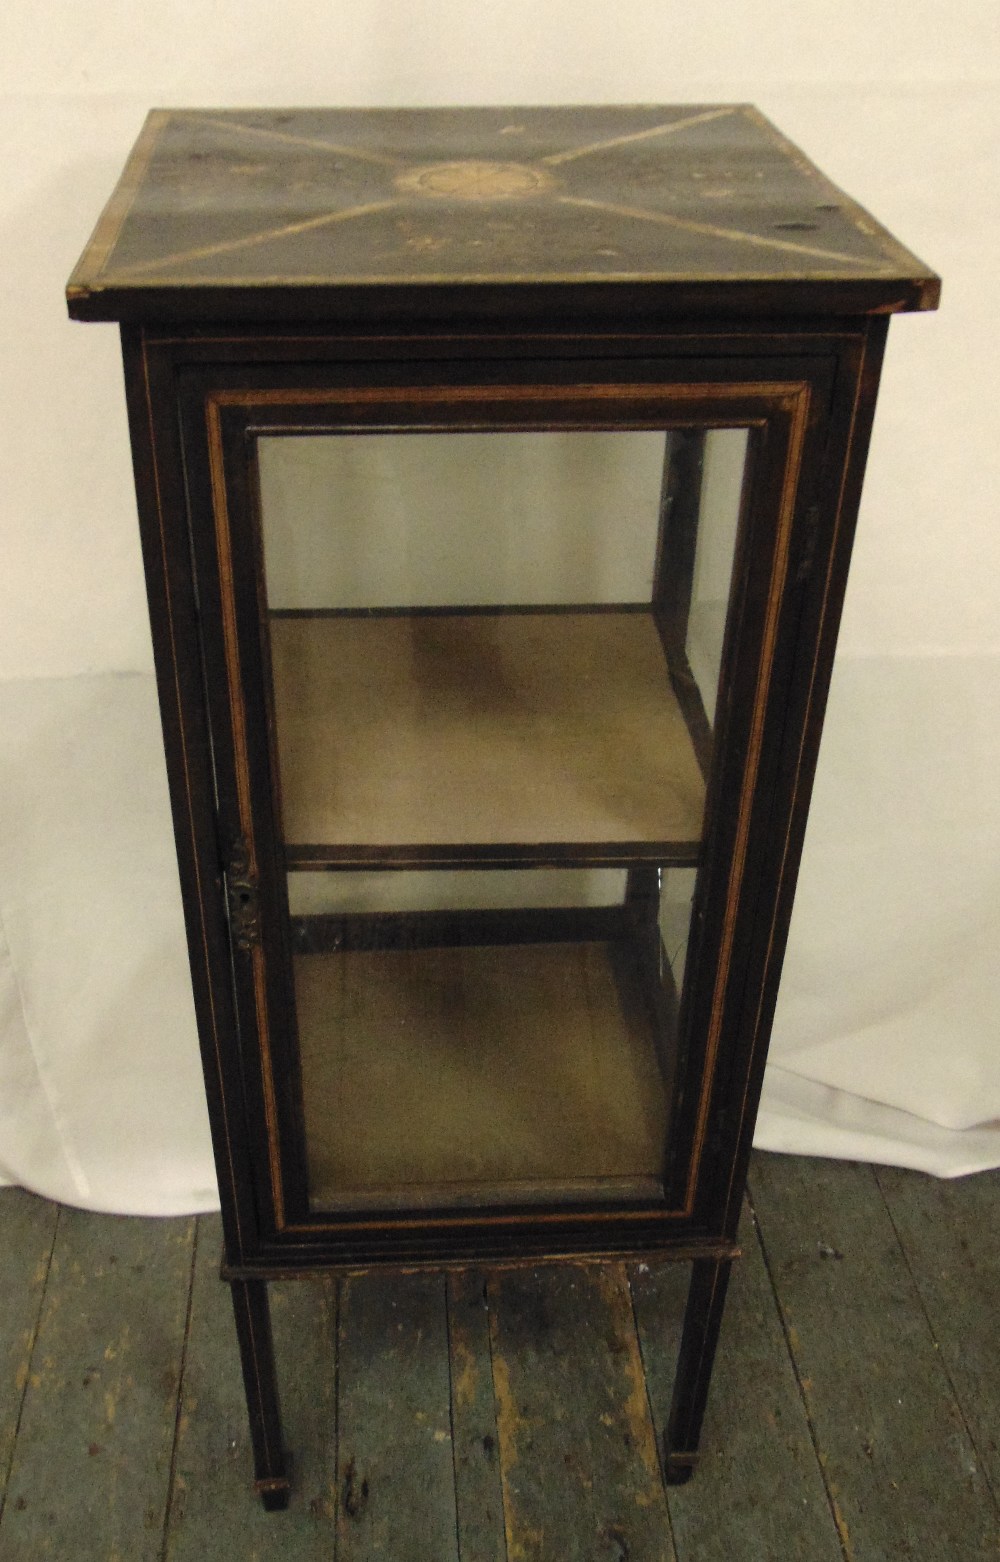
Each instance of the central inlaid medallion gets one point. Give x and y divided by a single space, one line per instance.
473 180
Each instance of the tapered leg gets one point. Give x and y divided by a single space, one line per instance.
253 1330
702 1322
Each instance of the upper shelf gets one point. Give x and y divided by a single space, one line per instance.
464 738
394 215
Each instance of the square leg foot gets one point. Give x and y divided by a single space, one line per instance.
678 1468
274 1493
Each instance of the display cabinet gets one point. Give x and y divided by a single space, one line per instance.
497 472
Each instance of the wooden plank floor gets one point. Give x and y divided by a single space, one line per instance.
517 1416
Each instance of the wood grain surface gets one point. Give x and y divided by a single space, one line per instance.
29 1232
756 1423
520 728
476 1070
395 1468
104 1374
475 1445
499 1415
890 1432
580 1469
213 1463
311 197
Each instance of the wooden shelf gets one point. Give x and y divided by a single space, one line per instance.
468 737
515 1073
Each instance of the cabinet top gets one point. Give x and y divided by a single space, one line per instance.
357 215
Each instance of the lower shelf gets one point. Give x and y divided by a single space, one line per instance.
520 1073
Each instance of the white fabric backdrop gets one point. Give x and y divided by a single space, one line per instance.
886 1041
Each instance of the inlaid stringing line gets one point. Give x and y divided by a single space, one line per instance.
226 246
636 135
362 154
737 235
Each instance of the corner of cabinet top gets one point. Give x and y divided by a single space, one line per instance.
229 214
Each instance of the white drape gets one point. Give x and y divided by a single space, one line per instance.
101 1100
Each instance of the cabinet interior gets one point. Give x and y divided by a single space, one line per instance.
525 730
473 1075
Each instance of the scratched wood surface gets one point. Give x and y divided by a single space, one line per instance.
396 1480
293 199
577 1444
515 1416
950 1233
27 1234
212 1462
756 1424
91 1467
897 1458
478 1489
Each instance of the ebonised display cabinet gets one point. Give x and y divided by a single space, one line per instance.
497 472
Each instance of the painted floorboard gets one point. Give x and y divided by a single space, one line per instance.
578 1458
950 1231
898 1462
90 1472
478 1493
758 1493
396 1478
214 1512
27 1233
886 1334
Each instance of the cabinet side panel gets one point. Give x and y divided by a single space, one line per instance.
832 492
173 614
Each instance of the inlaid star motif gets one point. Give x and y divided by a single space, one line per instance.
401 185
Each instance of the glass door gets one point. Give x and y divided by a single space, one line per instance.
493 660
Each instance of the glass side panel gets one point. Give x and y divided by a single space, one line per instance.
494 663
723 468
